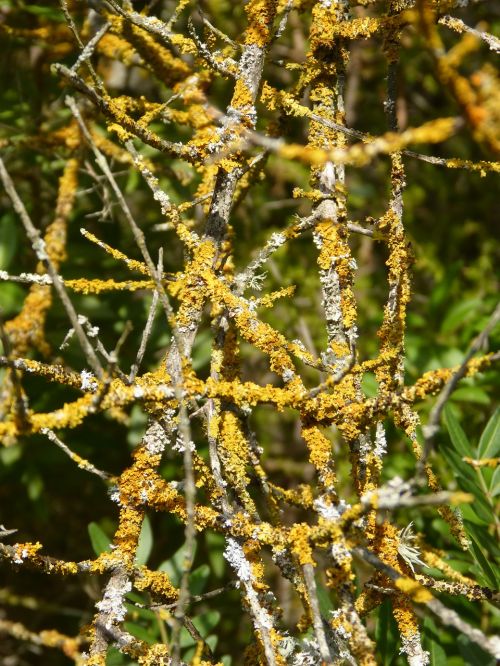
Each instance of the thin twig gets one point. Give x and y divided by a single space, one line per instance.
105 105
189 531
89 48
81 462
136 231
146 333
458 25
39 247
447 616
319 629
21 401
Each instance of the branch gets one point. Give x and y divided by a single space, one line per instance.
38 246
431 429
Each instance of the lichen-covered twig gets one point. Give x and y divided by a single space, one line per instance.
38 246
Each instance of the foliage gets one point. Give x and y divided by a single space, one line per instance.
248 350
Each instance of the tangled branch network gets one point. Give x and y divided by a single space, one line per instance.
311 535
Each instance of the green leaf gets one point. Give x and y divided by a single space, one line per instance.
116 658
133 180
34 483
198 579
450 357
472 653
11 298
140 632
441 293
457 435
432 644
489 444
483 563
459 565
145 544
189 654
461 313
136 426
469 514
185 639
324 599
206 622
386 634
369 385
136 612
212 641
98 538
10 454
471 394
215 545
202 350
481 535
495 483
8 240
46 12
175 565
467 480
463 471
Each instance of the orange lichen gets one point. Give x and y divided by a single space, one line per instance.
158 583
299 542
260 15
235 456
320 454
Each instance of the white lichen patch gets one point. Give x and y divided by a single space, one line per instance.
180 445
155 439
328 510
88 381
234 554
380 441
112 604
21 554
